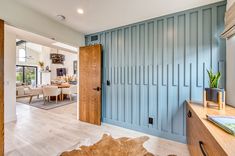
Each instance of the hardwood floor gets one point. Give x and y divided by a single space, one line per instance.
39 132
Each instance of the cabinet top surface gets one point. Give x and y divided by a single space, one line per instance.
224 139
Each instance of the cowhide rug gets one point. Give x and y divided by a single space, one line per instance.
109 146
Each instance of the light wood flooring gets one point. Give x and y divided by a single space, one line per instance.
40 132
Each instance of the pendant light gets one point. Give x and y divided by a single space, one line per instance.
57 58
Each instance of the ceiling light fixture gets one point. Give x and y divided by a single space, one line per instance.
80 11
65 46
60 17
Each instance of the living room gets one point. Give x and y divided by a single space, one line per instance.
43 64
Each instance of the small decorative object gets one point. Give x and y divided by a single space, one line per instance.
41 65
214 95
48 69
67 78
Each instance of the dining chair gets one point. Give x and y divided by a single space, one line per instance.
49 91
35 92
69 91
20 91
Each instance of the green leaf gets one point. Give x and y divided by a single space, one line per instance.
213 79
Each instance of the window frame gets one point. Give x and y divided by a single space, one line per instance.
23 67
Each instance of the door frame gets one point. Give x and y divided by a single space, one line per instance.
1 87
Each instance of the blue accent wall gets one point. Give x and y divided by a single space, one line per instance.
155 65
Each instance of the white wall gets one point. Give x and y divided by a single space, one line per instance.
22 17
230 57
9 77
45 57
229 3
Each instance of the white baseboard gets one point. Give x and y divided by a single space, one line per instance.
10 119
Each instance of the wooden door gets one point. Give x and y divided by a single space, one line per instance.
90 84
1 87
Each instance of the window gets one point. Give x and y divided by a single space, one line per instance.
22 55
26 74
19 74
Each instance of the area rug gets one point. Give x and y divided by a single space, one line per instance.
39 103
109 146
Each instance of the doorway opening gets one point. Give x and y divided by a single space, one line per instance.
31 78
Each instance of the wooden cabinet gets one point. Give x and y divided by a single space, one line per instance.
203 137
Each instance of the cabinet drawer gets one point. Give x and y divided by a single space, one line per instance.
200 141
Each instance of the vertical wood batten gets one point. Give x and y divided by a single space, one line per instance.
200 50
175 58
164 52
186 51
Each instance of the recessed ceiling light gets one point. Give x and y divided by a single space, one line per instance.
80 11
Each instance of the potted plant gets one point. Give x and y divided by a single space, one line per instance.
41 65
212 92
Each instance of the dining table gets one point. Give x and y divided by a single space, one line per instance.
62 85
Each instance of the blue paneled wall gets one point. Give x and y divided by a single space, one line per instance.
155 65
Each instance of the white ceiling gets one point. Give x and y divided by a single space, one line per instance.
100 15
34 38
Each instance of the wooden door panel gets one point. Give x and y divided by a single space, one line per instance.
89 79
1 87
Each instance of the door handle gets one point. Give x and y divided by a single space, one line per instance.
97 88
202 148
189 114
